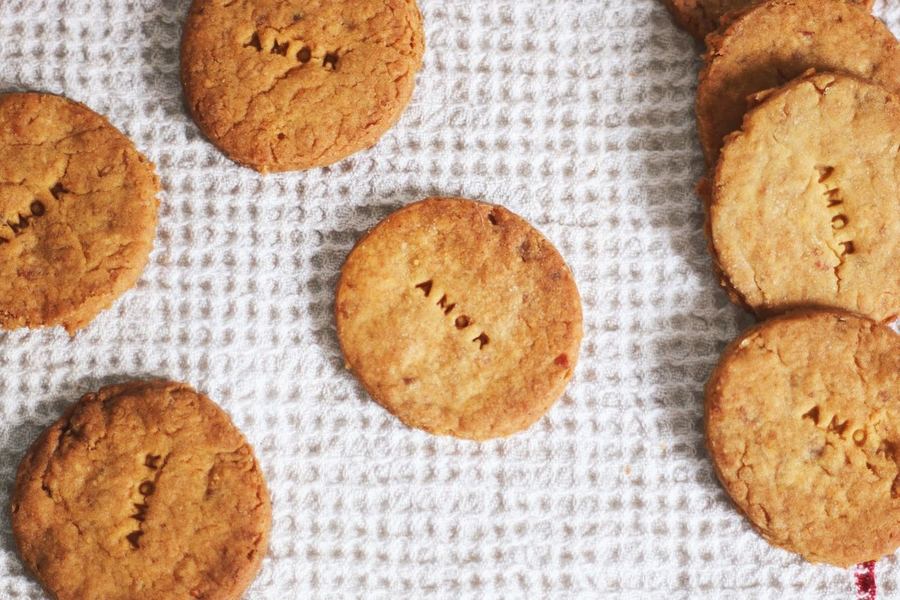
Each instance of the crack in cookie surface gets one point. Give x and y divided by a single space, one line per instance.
841 244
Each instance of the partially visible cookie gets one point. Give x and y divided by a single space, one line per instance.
281 85
803 426
77 212
775 41
805 207
459 318
702 17
142 491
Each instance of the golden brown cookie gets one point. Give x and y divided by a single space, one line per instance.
700 17
77 212
805 207
280 85
778 40
459 318
142 491
803 426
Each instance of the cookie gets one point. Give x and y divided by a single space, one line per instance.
803 426
779 40
804 208
702 17
459 318
142 491
77 212
282 85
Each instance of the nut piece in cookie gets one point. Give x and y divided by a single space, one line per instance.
776 41
77 212
803 426
282 85
142 491
805 207
459 318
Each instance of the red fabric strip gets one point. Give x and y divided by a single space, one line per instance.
866 589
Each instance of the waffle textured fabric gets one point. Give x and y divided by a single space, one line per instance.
578 115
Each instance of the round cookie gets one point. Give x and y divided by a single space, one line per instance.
803 426
459 318
778 40
142 491
804 208
281 85
77 212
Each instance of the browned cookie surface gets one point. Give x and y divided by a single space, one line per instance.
803 425
77 212
142 491
805 207
459 318
778 40
281 85
702 17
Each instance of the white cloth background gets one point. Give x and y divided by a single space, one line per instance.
578 115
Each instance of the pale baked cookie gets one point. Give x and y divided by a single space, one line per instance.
805 207
803 426
280 85
778 40
459 318
77 212
142 491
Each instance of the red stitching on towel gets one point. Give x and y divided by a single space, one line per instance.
866 589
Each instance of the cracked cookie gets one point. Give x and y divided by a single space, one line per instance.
804 209
77 212
776 41
459 318
701 17
803 426
142 491
281 85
